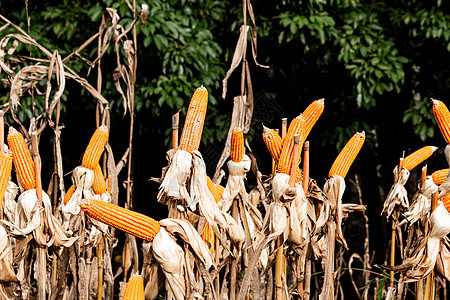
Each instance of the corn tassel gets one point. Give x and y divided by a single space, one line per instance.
285 161
237 150
99 184
442 116
23 162
417 157
344 160
215 189
95 147
69 194
121 218
439 176
6 161
134 290
195 118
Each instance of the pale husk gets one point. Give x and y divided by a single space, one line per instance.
422 259
235 182
334 190
420 203
9 204
189 234
28 220
398 195
170 257
176 177
6 270
442 267
82 179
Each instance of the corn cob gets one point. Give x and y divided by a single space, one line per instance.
95 147
134 290
417 157
237 145
274 143
99 184
439 176
310 115
69 194
215 189
6 161
285 161
446 200
195 118
23 162
344 160
208 237
442 116
121 218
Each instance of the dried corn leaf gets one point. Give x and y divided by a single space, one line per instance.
334 189
420 203
6 270
398 195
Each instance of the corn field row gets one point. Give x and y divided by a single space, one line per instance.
282 239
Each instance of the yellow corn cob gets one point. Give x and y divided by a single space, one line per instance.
310 116
439 176
446 200
23 162
134 290
347 155
6 161
286 156
99 184
121 218
237 145
208 237
95 147
442 116
69 194
273 142
417 157
195 118
215 189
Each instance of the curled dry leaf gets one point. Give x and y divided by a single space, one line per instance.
420 203
6 270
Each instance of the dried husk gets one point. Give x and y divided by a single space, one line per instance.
235 183
82 179
443 259
28 220
6 270
334 189
170 256
420 203
398 195
422 259
9 204
174 184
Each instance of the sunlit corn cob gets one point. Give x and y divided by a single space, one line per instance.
237 145
208 237
121 218
274 143
69 194
23 162
95 147
446 200
439 176
195 118
286 156
415 158
215 189
344 160
442 116
310 116
134 290
6 160
99 184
